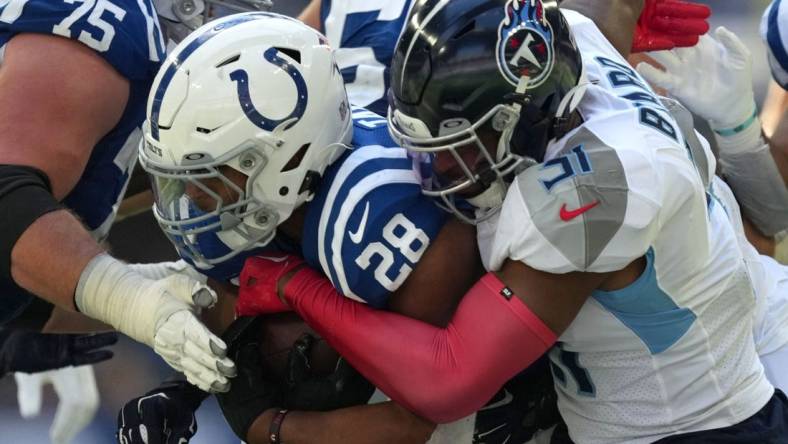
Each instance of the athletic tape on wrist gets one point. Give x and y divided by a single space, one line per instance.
728 132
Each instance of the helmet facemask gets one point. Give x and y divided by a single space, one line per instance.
488 170
211 196
181 17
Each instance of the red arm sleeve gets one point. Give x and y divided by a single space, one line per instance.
441 374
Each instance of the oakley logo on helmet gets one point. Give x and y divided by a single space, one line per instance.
242 83
525 43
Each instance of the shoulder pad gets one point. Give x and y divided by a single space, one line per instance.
370 129
593 208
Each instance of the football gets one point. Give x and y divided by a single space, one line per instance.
279 332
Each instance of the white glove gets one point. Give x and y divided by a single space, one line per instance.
158 313
77 393
713 79
161 270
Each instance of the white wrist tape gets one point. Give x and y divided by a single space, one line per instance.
161 270
112 292
745 141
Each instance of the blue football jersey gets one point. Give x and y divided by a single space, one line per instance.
126 33
369 223
367 226
364 34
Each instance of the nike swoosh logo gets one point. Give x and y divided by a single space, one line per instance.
567 215
482 435
359 234
507 398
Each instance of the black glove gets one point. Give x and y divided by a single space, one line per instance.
32 352
525 404
344 387
166 414
253 390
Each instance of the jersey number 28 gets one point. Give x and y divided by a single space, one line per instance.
401 235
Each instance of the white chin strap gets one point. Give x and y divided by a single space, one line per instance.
572 98
492 197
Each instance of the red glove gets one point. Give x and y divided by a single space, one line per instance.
666 24
259 281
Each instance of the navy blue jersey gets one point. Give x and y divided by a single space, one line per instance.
127 35
364 34
369 224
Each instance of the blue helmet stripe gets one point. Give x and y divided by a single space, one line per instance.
172 68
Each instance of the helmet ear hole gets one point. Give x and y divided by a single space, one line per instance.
465 30
295 161
292 53
228 60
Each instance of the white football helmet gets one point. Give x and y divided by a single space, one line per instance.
243 118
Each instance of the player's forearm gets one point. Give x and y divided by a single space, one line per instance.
382 423
449 267
616 19
66 321
441 374
759 187
49 257
779 146
311 14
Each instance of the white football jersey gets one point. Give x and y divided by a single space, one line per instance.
673 352
770 328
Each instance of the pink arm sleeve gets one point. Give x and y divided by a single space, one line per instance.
441 374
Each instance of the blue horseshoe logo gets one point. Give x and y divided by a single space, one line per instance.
242 83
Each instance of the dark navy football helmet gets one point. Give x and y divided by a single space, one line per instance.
495 77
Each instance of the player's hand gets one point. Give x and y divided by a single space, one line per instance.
183 341
188 347
344 387
525 404
253 391
77 393
260 278
667 24
159 313
164 415
712 79
32 352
